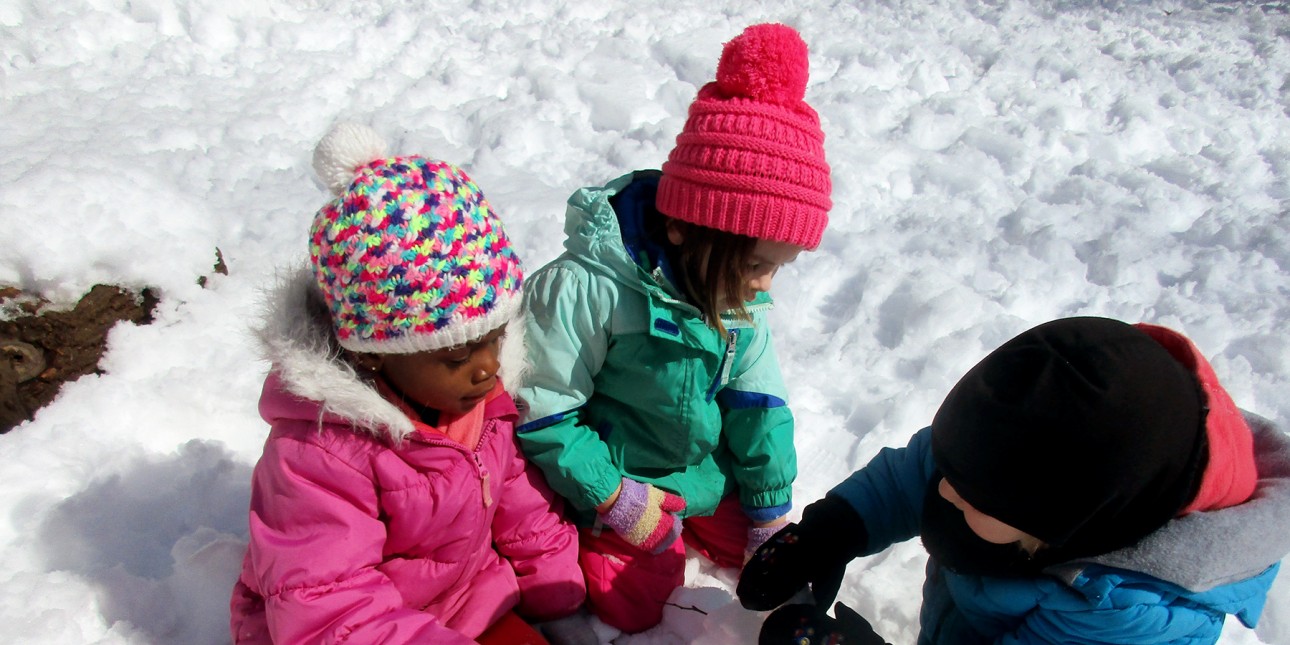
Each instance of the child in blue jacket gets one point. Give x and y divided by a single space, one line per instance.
1089 481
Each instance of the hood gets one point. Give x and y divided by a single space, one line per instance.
606 237
594 234
1206 549
1229 476
296 337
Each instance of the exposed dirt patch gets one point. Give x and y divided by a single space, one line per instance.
39 351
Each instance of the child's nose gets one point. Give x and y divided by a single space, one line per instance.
486 364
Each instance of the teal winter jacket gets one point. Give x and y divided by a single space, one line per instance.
628 379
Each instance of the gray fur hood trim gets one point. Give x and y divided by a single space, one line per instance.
296 337
1204 550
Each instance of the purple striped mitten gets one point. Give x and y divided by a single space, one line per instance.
645 516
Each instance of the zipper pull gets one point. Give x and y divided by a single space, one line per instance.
483 474
731 337
727 361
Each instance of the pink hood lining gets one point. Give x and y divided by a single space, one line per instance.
1230 475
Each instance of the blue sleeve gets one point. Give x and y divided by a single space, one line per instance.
1109 605
1149 623
888 492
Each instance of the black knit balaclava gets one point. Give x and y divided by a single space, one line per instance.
1083 432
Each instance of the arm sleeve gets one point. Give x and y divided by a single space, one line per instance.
888 492
1150 623
542 548
567 332
316 539
758 427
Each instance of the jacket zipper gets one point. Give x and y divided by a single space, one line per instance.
727 362
484 476
764 306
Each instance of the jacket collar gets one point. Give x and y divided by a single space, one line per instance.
296 337
610 243
604 228
1207 549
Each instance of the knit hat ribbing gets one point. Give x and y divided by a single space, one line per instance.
1083 432
750 159
410 256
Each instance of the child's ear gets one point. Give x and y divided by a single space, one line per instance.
675 231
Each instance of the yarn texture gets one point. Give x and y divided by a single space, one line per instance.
409 256
750 159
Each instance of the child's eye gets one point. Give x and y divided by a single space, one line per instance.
458 357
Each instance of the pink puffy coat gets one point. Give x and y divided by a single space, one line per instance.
358 538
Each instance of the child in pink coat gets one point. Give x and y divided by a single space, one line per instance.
391 503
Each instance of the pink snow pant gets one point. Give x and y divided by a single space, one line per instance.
627 587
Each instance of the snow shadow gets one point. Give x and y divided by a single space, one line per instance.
162 543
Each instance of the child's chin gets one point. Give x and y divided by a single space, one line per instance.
467 404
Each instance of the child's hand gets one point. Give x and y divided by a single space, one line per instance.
815 551
645 516
809 625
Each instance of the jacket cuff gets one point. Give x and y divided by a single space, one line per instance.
766 499
767 513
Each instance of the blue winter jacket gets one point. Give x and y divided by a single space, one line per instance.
1175 586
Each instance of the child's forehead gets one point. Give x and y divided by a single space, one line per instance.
775 252
490 336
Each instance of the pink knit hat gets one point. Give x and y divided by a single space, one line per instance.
750 159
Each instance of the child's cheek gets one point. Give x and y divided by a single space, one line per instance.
991 530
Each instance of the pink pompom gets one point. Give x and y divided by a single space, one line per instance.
767 62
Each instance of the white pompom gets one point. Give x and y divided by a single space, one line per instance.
344 149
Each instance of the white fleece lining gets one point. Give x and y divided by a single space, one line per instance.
297 339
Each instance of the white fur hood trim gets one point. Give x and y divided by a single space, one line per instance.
297 339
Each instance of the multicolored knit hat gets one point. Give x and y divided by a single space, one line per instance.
750 159
410 257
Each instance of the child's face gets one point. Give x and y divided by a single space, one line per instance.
766 260
450 380
987 528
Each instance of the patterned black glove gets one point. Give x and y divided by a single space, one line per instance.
814 551
809 625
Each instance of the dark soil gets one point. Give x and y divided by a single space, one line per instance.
39 351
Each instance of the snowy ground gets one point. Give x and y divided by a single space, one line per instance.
996 165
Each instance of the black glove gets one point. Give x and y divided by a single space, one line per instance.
815 551
809 625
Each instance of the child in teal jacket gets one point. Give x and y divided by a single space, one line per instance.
655 401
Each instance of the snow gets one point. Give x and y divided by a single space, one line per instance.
995 165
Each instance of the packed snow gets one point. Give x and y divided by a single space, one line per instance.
995 165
